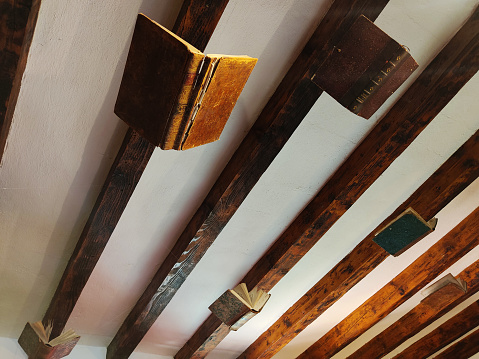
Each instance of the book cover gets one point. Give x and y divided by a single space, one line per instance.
364 68
448 283
401 233
236 306
174 95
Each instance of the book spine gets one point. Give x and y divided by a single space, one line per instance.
206 77
180 113
391 66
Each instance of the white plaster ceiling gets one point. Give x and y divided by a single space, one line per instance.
65 136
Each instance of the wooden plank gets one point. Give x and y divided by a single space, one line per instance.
463 349
388 139
282 114
418 318
453 246
124 175
17 25
461 169
443 335
119 185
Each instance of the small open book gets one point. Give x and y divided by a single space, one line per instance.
37 343
255 299
448 279
236 306
44 334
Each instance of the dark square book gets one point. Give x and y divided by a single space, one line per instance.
401 233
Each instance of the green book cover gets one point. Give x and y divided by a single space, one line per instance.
403 232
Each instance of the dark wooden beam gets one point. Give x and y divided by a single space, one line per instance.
418 318
453 246
119 185
461 169
433 89
17 25
281 116
443 335
463 349
124 175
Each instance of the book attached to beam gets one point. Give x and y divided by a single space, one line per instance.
236 306
35 341
404 231
174 95
364 68
447 281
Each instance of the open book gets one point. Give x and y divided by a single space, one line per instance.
254 300
448 279
37 343
236 306
45 333
174 95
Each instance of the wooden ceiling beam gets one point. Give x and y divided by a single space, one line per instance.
288 106
443 335
197 21
449 249
433 89
426 312
17 25
463 349
461 169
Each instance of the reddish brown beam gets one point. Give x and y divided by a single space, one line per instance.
17 25
463 349
443 335
453 246
282 114
461 169
130 162
433 89
426 312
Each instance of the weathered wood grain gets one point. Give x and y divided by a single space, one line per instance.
426 312
197 20
17 25
443 335
461 169
453 246
433 89
119 185
463 349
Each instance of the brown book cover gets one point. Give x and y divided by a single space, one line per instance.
236 306
445 287
37 346
364 68
174 95
228 308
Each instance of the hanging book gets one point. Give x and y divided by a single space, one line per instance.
174 95
236 306
405 230
364 68
447 280
35 341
